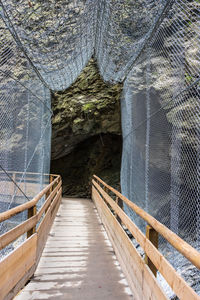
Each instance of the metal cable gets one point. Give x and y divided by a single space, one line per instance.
10 177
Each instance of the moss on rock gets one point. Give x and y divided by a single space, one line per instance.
89 107
86 135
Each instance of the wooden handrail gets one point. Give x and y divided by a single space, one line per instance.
29 173
131 262
184 248
20 208
20 264
176 282
14 233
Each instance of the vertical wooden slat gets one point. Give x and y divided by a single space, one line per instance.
152 235
31 212
119 202
51 180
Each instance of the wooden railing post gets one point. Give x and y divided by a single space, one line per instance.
119 202
51 180
31 212
14 186
116 200
51 188
152 235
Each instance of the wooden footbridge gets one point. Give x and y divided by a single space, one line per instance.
87 253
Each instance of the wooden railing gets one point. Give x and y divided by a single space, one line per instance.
140 273
20 264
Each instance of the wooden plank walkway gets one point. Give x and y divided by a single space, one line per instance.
78 262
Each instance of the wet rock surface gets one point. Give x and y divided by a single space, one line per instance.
86 132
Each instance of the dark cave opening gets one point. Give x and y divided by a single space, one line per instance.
100 155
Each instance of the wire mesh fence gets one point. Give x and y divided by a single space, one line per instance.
25 129
57 36
161 100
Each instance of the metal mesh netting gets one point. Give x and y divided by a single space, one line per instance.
153 46
123 28
162 91
44 47
25 120
160 166
25 114
57 36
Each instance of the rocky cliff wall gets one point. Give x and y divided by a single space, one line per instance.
86 132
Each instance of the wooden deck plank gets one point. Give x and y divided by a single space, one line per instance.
78 261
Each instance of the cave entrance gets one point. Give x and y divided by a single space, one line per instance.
100 155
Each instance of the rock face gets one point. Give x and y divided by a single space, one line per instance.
89 107
86 132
